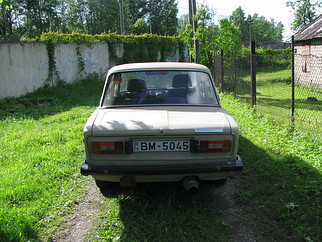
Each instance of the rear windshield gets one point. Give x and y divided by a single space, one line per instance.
159 87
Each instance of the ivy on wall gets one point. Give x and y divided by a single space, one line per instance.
81 63
137 48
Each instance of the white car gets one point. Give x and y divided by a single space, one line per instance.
160 122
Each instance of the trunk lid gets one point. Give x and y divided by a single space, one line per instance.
160 121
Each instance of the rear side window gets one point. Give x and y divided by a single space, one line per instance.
159 87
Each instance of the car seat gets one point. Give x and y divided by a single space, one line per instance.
137 91
178 94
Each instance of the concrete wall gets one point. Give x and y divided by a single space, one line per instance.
96 59
24 66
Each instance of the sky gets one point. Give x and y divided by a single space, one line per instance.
275 9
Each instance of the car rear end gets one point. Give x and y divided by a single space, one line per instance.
160 141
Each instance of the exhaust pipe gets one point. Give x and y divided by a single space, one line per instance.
191 184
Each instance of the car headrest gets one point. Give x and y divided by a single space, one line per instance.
181 81
136 85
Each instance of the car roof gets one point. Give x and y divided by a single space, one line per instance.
158 66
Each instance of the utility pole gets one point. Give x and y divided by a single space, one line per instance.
192 14
122 31
191 24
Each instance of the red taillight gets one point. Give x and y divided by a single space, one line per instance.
108 147
214 146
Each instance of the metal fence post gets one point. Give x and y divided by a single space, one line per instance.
253 72
222 70
235 72
293 81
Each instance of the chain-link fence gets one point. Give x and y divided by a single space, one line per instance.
297 104
233 75
273 86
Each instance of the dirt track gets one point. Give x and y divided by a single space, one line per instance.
80 223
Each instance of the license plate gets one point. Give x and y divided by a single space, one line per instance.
150 146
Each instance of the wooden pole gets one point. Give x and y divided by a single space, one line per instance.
192 14
191 24
195 26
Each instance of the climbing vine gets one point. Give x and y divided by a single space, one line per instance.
137 48
80 60
52 68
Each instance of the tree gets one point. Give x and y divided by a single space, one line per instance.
239 19
140 27
182 22
74 17
211 37
102 16
206 34
134 11
304 12
30 18
264 30
261 29
5 17
162 16
38 16
229 37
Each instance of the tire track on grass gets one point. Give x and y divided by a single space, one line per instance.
80 223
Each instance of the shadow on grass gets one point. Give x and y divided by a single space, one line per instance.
166 212
26 232
279 196
287 103
52 100
282 189
240 87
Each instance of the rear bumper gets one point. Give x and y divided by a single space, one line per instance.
212 167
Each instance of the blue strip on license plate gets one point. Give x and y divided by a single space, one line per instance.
150 146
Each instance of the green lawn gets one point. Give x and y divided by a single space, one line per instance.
40 154
282 174
274 98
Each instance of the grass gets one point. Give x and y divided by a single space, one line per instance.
282 175
274 97
161 212
41 150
